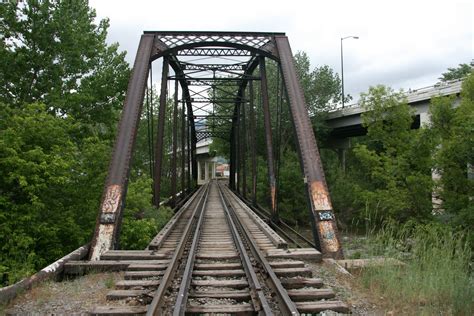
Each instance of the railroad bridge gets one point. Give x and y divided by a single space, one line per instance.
220 252
214 77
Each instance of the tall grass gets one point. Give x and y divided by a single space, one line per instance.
437 278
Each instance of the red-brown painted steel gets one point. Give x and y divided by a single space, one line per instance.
267 122
160 135
253 144
113 198
174 159
323 220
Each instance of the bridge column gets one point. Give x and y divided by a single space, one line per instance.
231 159
174 159
243 148
193 157
160 134
188 154
341 145
109 220
253 144
322 217
238 153
268 137
183 148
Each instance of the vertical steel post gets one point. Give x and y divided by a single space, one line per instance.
243 149
107 229
188 153
237 147
232 156
183 147
193 153
253 144
174 165
160 134
322 217
268 137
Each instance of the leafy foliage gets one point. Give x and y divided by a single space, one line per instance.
61 89
389 172
453 131
321 86
463 70
53 52
43 212
142 221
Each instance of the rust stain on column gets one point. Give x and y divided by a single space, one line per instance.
328 237
320 196
273 197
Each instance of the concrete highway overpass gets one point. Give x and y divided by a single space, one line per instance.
347 122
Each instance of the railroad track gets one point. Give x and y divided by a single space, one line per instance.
215 256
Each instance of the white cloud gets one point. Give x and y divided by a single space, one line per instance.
402 43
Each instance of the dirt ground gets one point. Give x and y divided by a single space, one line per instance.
348 290
70 297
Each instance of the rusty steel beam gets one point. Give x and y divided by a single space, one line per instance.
174 63
174 165
194 167
253 144
188 156
252 65
160 135
237 147
267 122
109 219
322 217
183 147
232 156
243 150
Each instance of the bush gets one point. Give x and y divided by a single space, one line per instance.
142 221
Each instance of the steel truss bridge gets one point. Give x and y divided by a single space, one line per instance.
210 73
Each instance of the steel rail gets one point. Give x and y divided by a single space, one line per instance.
178 211
158 299
258 296
286 304
265 215
181 299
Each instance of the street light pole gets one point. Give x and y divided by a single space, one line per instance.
342 67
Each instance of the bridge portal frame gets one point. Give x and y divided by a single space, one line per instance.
257 45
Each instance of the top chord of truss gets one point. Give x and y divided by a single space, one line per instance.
253 39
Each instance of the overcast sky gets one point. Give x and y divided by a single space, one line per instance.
403 44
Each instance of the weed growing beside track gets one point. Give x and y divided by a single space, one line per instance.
437 278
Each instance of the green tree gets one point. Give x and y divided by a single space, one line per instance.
61 88
49 188
459 72
321 86
322 91
394 162
53 52
142 221
453 131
